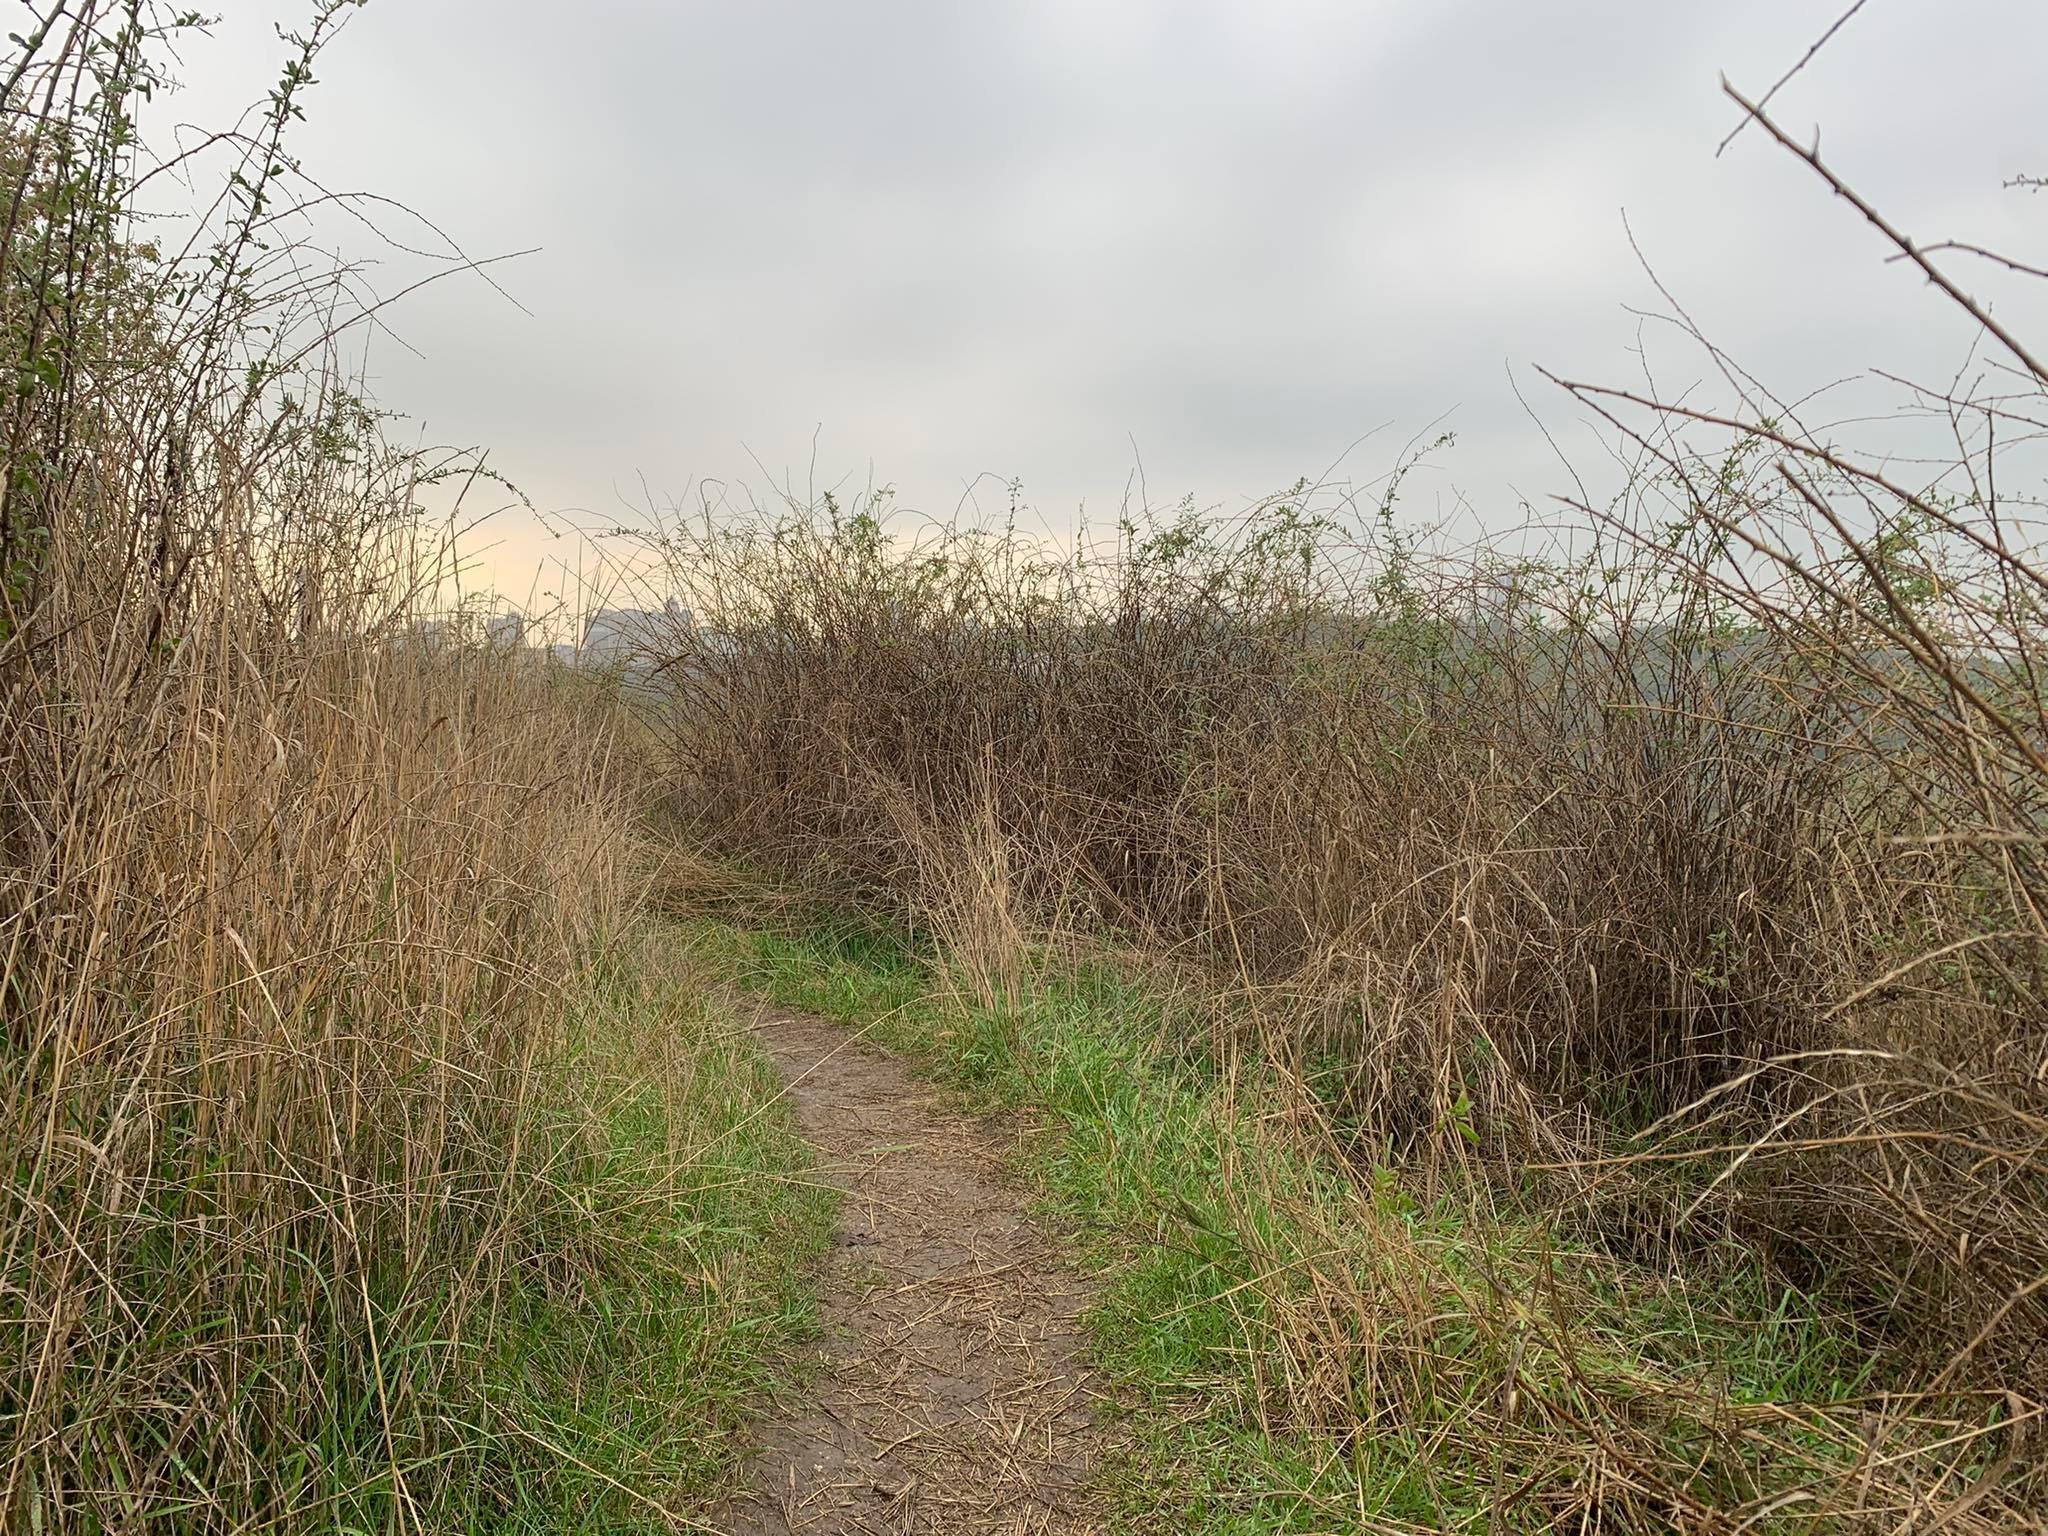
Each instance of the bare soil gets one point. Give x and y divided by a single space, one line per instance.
951 1392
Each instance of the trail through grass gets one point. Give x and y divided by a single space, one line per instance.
1246 1274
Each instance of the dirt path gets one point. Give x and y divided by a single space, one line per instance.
950 1394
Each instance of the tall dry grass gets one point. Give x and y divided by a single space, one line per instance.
287 897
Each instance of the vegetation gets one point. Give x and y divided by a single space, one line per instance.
1552 1038
1304 1350
363 1171
1646 924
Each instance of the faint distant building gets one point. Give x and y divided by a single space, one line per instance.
634 639
467 629
615 635
433 634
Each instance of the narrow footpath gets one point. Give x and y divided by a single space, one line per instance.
951 1393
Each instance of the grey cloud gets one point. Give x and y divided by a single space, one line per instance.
1014 236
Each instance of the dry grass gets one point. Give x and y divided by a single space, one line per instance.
285 942
297 1108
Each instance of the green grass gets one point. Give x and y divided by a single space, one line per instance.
620 1318
665 1274
1216 1245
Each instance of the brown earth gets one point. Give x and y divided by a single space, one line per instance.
950 1393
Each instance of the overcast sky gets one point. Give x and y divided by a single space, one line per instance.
1048 240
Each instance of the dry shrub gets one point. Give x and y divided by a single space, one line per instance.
1590 836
